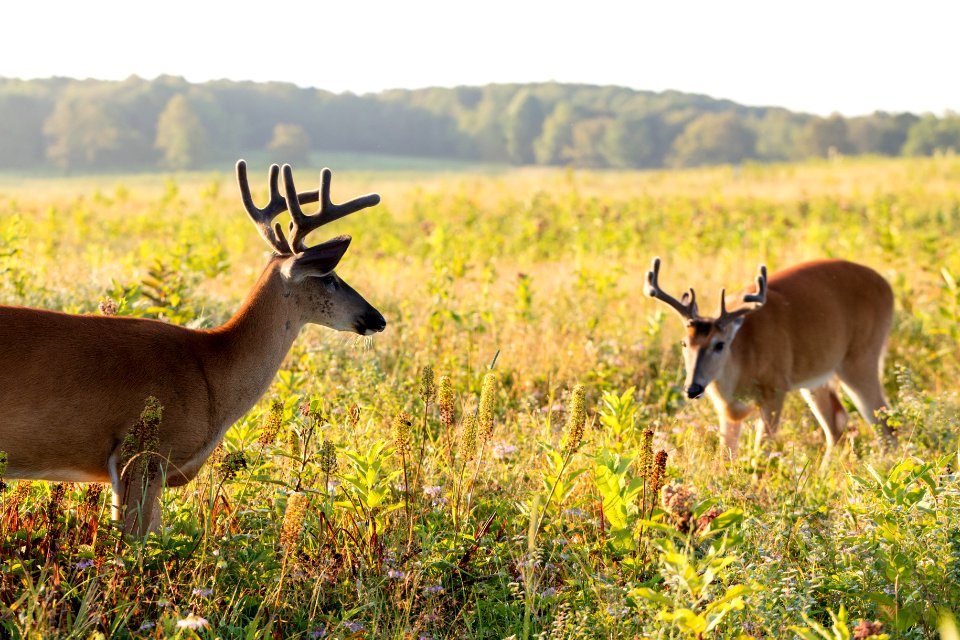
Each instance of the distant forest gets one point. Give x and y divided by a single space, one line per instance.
82 125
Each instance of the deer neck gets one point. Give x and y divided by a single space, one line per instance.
248 350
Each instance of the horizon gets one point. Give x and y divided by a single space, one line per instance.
853 59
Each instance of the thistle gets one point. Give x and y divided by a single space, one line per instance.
271 426
445 401
428 387
401 432
576 421
293 520
485 411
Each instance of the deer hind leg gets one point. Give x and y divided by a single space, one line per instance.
861 381
829 411
730 434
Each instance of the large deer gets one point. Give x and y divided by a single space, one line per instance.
805 328
72 386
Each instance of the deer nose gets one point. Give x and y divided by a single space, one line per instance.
695 390
370 323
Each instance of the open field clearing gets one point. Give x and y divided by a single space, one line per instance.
356 500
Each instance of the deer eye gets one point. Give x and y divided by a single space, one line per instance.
718 347
683 343
330 282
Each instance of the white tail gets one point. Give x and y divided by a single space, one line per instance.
807 327
72 387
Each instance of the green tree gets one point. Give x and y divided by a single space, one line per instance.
931 134
524 121
85 132
181 136
557 136
290 144
635 140
713 138
821 137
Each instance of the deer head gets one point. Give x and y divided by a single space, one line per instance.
308 272
706 348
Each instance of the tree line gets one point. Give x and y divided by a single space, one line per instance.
79 125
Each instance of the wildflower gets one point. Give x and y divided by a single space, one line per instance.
192 622
646 452
352 627
304 409
575 421
707 517
144 436
401 432
293 520
319 632
203 593
502 450
432 491
433 588
549 592
428 388
677 500
232 463
20 492
395 574
108 306
445 401
468 438
485 412
657 473
866 629
328 457
83 564
272 424
147 626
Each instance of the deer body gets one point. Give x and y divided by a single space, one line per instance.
72 386
812 327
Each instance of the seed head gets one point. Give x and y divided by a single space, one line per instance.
445 401
107 306
485 412
144 436
468 438
646 453
576 420
231 464
271 426
677 500
401 432
428 387
658 474
328 457
20 491
293 520
3 463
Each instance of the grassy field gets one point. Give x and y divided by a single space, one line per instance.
522 291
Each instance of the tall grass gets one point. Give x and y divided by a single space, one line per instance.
328 529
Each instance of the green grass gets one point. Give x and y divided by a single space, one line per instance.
545 268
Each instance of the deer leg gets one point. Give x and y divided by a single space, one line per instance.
770 408
829 411
136 495
730 434
862 383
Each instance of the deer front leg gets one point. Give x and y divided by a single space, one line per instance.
771 406
730 434
136 495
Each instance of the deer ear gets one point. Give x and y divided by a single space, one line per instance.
315 261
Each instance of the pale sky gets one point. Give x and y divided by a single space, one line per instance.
816 56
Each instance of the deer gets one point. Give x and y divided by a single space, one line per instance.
818 327
72 386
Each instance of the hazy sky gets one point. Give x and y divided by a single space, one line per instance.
816 56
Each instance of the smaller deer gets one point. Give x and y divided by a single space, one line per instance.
805 328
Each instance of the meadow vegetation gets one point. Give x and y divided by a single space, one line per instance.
514 456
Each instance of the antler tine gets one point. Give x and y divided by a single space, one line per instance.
303 224
263 218
758 299
654 291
